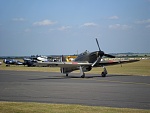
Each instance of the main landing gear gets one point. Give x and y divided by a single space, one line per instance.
67 75
83 76
82 73
104 73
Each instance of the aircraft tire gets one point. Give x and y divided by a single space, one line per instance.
66 75
83 76
7 65
103 74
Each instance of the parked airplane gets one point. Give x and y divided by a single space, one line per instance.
42 58
9 62
33 59
84 62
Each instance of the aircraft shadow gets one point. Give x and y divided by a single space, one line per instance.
116 75
64 77
49 78
73 76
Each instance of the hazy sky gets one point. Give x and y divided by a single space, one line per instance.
48 27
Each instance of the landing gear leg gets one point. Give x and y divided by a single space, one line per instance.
104 73
82 73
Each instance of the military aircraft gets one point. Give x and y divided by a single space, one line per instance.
33 59
84 62
9 62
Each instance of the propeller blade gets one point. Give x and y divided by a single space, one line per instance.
98 45
101 53
108 55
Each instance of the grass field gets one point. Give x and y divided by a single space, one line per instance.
19 107
138 68
141 67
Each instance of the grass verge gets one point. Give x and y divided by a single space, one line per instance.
20 107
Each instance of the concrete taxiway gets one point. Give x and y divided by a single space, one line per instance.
111 91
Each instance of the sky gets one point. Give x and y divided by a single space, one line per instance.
61 27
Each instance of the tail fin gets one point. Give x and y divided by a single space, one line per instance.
62 59
65 70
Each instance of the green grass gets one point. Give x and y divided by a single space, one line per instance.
141 67
20 107
137 68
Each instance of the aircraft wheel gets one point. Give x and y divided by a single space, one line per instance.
103 74
7 65
83 76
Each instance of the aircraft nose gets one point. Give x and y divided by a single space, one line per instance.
100 53
97 53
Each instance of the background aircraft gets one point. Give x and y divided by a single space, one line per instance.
9 62
34 59
84 62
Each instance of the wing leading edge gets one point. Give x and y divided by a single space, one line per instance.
115 62
63 64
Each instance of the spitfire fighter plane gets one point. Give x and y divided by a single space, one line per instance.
84 62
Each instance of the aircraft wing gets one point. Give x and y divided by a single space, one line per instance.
77 64
63 64
115 62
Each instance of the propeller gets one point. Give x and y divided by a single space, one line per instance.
98 45
108 55
101 54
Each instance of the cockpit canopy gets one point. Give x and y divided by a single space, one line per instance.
85 53
83 56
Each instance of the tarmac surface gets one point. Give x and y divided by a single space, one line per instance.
112 91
